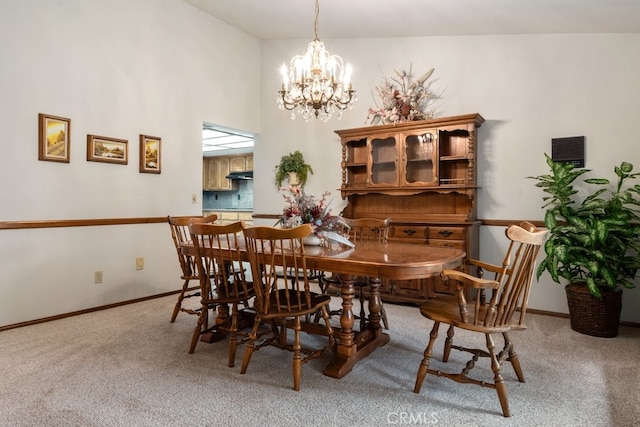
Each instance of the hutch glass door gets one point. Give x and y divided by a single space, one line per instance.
420 154
384 163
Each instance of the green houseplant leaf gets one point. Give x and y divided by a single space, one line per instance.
292 162
593 240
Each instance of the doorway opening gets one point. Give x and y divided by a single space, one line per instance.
227 185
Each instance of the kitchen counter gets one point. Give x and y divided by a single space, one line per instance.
227 210
227 216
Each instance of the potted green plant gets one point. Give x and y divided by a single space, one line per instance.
293 163
593 244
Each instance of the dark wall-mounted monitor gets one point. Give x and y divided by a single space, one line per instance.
568 150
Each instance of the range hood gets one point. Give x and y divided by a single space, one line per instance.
240 175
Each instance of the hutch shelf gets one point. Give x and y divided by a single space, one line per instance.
422 175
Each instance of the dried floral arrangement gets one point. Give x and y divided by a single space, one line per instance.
302 208
404 99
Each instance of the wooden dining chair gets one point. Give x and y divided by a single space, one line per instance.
179 227
222 281
361 230
502 312
280 301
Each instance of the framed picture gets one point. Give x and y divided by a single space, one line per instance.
108 150
150 154
54 138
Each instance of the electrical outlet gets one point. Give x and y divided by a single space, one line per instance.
140 263
98 277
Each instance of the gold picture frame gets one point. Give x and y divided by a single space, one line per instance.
107 150
150 154
54 138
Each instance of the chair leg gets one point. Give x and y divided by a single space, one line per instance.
513 357
297 359
322 284
337 312
501 388
326 316
447 344
248 350
201 325
383 316
282 334
316 316
233 334
178 306
424 365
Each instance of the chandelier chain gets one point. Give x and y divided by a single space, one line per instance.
315 25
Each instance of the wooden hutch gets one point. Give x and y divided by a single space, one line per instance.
422 175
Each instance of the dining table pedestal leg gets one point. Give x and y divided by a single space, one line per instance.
375 307
222 319
354 346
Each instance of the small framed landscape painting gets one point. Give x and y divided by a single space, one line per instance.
54 135
150 154
107 150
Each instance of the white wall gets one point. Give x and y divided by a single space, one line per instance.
116 68
529 88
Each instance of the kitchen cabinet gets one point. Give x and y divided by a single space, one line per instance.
237 164
422 175
216 169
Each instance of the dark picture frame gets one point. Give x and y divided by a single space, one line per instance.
107 150
150 154
54 138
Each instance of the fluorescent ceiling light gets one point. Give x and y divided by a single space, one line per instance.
218 139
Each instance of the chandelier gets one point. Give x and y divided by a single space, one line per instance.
316 83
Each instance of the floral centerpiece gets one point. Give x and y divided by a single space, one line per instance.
403 99
302 208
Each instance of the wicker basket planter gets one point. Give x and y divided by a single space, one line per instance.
592 316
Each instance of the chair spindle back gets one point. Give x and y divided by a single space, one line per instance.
180 234
219 260
517 275
368 229
270 251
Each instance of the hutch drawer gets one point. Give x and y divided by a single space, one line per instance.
446 233
417 233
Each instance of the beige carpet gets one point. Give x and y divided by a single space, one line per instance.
129 366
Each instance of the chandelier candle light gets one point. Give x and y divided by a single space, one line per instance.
316 83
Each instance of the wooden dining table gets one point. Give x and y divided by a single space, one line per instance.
378 261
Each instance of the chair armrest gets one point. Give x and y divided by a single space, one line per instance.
464 280
470 280
486 266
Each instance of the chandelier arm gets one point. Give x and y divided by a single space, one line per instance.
316 82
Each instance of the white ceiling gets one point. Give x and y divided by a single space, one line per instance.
294 19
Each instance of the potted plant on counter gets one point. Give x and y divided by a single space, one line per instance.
594 242
293 168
